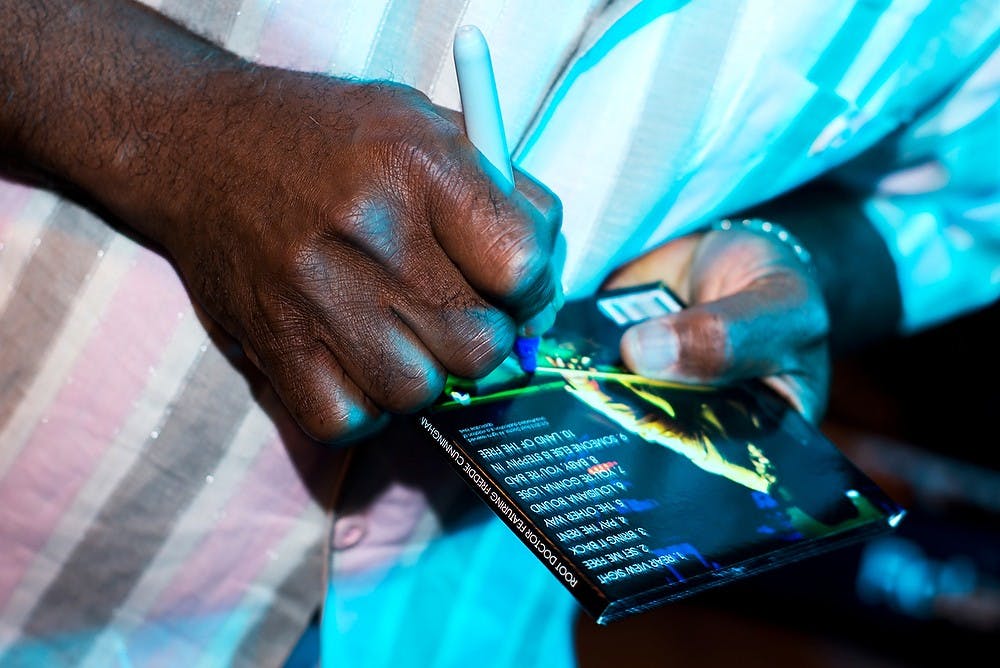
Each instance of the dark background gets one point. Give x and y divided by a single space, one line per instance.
919 415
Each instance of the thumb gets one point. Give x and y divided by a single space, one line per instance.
770 328
550 206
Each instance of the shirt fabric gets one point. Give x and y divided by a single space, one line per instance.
157 504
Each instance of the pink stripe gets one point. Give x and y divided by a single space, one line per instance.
95 399
13 198
267 504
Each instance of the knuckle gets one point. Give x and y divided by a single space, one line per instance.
426 151
370 225
554 213
817 321
302 265
324 415
807 318
542 198
409 388
276 331
408 155
327 423
521 270
484 342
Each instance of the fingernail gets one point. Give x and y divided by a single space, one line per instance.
540 323
651 347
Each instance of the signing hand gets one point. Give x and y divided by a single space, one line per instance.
347 234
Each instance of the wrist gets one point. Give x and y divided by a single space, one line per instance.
772 230
103 90
854 268
154 173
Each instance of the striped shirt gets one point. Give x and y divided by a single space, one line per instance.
157 505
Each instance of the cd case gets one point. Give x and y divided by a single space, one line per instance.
635 492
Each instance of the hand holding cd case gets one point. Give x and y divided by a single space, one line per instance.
635 492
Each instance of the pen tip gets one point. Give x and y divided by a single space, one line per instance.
470 42
526 349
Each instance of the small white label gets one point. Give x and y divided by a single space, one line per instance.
635 307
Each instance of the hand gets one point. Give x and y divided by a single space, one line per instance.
753 311
347 235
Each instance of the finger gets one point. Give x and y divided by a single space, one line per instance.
537 193
807 393
466 334
404 269
321 397
550 206
334 294
758 331
375 347
388 362
543 199
698 345
501 243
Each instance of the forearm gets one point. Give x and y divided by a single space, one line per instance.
856 271
92 89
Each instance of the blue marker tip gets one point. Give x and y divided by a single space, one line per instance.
526 349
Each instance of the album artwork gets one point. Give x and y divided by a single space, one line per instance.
635 492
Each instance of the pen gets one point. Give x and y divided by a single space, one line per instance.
484 126
480 102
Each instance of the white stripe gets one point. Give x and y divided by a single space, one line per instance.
19 247
523 76
355 35
181 354
255 430
310 528
244 36
885 37
73 336
617 104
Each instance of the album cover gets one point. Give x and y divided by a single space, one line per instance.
635 492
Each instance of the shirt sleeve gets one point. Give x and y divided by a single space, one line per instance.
932 190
